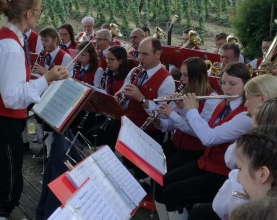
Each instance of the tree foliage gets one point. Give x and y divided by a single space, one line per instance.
252 24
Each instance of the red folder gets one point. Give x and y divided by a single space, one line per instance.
139 162
175 55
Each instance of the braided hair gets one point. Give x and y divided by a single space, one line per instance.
259 145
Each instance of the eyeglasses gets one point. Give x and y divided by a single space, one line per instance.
63 34
109 60
100 39
135 37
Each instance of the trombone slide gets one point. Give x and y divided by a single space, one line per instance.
163 99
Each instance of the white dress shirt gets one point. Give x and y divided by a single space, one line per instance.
167 87
92 34
224 202
226 132
38 44
66 60
16 93
180 121
229 156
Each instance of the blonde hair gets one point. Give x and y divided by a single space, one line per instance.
263 84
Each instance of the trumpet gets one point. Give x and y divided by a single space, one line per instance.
240 195
180 98
156 113
121 98
82 37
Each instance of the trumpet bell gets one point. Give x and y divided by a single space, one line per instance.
115 31
159 34
194 39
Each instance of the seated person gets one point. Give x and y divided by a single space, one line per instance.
88 33
67 39
114 40
103 41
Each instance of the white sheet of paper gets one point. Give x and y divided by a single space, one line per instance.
142 144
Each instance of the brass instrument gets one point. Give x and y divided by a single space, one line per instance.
121 98
162 99
271 56
128 47
156 113
82 37
240 195
115 31
194 39
37 62
214 68
159 34
233 40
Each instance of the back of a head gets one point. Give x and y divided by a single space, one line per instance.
268 39
106 34
49 32
263 84
15 10
145 29
88 19
231 46
266 113
106 26
220 36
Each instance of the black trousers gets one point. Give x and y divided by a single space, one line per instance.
203 212
11 160
188 184
175 158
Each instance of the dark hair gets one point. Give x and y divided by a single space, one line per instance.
94 61
14 10
268 39
49 32
106 26
186 31
156 44
198 77
267 113
69 29
259 145
220 36
145 29
231 46
120 54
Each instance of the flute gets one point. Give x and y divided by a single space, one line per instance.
155 115
180 98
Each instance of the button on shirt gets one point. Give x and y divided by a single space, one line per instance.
227 132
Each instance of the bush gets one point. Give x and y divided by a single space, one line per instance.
251 25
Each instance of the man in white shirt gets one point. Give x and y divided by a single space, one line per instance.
88 33
103 40
136 37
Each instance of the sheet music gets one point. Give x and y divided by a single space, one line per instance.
59 100
98 89
89 169
121 176
63 214
142 145
89 203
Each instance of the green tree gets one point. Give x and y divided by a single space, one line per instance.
252 24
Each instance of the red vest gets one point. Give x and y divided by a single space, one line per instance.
117 84
135 111
213 158
131 52
32 41
115 42
70 47
57 61
186 141
259 61
88 77
80 35
7 112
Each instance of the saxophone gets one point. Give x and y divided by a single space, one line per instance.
155 115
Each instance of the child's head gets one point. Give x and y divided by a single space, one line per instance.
265 113
256 159
49 38
88 56
194 76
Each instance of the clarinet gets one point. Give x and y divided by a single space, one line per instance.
76 67
61 44
121 98
104 78
37 62
155 115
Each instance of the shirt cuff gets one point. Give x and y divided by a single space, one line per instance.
193 113
40 84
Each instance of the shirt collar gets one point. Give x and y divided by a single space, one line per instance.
152 71
54 53
28 33
235 103
16 31
106 51
68 43
86 67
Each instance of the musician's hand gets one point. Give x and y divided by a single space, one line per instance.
39 69
165 109
156 122
133 92
179 104
56 73
190 101
116 95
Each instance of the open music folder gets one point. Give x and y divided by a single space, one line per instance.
105 189
141 149
61 102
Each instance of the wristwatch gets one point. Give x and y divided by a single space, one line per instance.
143 101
